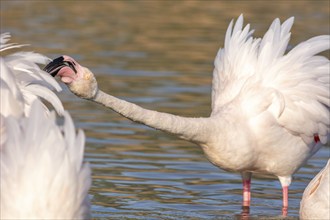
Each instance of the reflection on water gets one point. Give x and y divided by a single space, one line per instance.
159 55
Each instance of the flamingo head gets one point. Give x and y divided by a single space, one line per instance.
79 79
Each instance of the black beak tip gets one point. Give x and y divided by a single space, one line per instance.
56 65
52 66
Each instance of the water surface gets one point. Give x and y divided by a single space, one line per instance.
158 54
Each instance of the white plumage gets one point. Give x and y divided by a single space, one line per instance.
293 86
42 172
22 81
270 110
315 203
43 175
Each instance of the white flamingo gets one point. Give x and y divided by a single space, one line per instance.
270 110
42 171
315 203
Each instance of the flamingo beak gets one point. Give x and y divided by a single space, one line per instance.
57 64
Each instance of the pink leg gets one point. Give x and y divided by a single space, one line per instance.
285 200
246 192
285 183
246 177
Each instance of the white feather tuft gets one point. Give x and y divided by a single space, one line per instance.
257 73
25 80
39 156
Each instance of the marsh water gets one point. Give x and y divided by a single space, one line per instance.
158 54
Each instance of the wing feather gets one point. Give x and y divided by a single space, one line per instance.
22 77
294 87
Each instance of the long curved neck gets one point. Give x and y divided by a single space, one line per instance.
196 130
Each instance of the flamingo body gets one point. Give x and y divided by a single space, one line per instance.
315 203
43 175
270 110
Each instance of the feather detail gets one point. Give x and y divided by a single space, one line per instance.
294 86
57 161
21 76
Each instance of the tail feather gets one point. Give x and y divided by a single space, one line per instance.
299 80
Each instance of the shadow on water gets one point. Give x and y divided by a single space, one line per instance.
159 54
